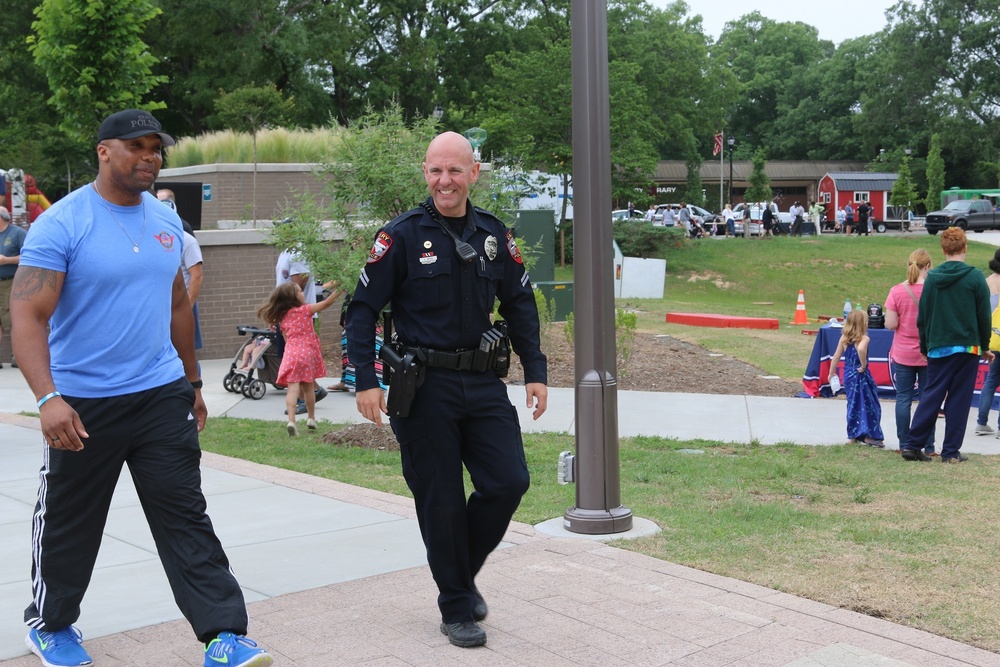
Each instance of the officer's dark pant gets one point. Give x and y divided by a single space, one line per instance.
152 433
461 418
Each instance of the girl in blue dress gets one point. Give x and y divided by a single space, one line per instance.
864 413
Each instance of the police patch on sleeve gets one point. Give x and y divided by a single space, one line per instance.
490 247
381 246
512 247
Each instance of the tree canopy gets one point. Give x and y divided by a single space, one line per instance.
504 66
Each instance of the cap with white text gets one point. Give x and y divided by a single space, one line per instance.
130 124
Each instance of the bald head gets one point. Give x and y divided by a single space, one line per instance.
451 143
450 169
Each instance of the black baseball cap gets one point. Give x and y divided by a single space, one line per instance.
130 124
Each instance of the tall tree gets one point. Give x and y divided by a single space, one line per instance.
760 184
528 114
29 137
935 174
250 109
94 59
210 45
777 66
904 194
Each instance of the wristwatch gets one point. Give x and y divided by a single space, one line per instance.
197 384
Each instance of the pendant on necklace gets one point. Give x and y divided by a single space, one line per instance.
135 248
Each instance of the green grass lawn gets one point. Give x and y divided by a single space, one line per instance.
762 278
847 525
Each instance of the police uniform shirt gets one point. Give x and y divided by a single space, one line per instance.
439 301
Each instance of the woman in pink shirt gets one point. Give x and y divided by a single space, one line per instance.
907 365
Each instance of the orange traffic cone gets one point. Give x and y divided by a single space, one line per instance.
800 310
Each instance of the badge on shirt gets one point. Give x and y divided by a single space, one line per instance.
512 247
428 258
381 246
166 239
490 247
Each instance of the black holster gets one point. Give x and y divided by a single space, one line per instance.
406 376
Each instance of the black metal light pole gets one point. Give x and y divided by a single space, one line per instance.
732 142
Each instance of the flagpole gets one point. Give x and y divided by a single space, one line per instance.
722 167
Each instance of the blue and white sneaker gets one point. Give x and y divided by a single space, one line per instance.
63 648
235 651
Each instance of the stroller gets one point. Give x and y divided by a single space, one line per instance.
265 360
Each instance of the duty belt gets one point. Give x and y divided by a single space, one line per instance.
460 360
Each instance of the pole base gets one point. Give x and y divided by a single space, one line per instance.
598 522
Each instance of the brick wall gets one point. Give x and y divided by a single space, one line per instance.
239 278
232 187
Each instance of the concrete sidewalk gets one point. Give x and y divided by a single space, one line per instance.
336 574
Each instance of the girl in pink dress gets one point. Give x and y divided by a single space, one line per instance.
302 362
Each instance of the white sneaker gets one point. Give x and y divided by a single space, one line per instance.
984 429
311 424
292 429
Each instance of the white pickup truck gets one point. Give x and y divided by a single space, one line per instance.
756 210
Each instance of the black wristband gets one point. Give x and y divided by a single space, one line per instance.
197 384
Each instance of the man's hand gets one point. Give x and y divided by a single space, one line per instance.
371 404
988 356
199 409
61 425
538 398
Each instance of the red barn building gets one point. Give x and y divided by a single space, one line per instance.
837 189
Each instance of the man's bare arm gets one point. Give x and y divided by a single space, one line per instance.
182 337
33 298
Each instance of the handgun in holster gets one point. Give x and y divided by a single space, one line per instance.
501 363
403 370
405 378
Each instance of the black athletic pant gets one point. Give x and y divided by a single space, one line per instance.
458 418
156 435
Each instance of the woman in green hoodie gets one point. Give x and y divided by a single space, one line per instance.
954 325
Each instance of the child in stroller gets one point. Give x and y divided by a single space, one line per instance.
697 229
258 355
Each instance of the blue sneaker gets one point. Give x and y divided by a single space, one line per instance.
58 649
235 651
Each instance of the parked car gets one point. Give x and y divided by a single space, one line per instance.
756 211
702 215
977 215
622 214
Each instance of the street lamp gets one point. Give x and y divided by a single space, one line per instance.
732 142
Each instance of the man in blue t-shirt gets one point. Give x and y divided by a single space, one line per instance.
11 240
117 384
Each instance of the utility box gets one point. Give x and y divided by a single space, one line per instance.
561 293
536 233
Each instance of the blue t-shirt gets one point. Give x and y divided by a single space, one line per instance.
11 240
110 332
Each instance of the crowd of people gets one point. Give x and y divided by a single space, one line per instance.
117 385
847 219
945 321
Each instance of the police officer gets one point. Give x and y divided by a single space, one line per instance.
442 304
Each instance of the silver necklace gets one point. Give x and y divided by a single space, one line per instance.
135 244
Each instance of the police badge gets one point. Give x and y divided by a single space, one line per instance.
490 247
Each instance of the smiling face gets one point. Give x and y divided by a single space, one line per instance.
129 167
450 170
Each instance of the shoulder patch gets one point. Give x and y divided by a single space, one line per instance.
515 254
381 246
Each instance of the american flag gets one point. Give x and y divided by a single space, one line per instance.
718 145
